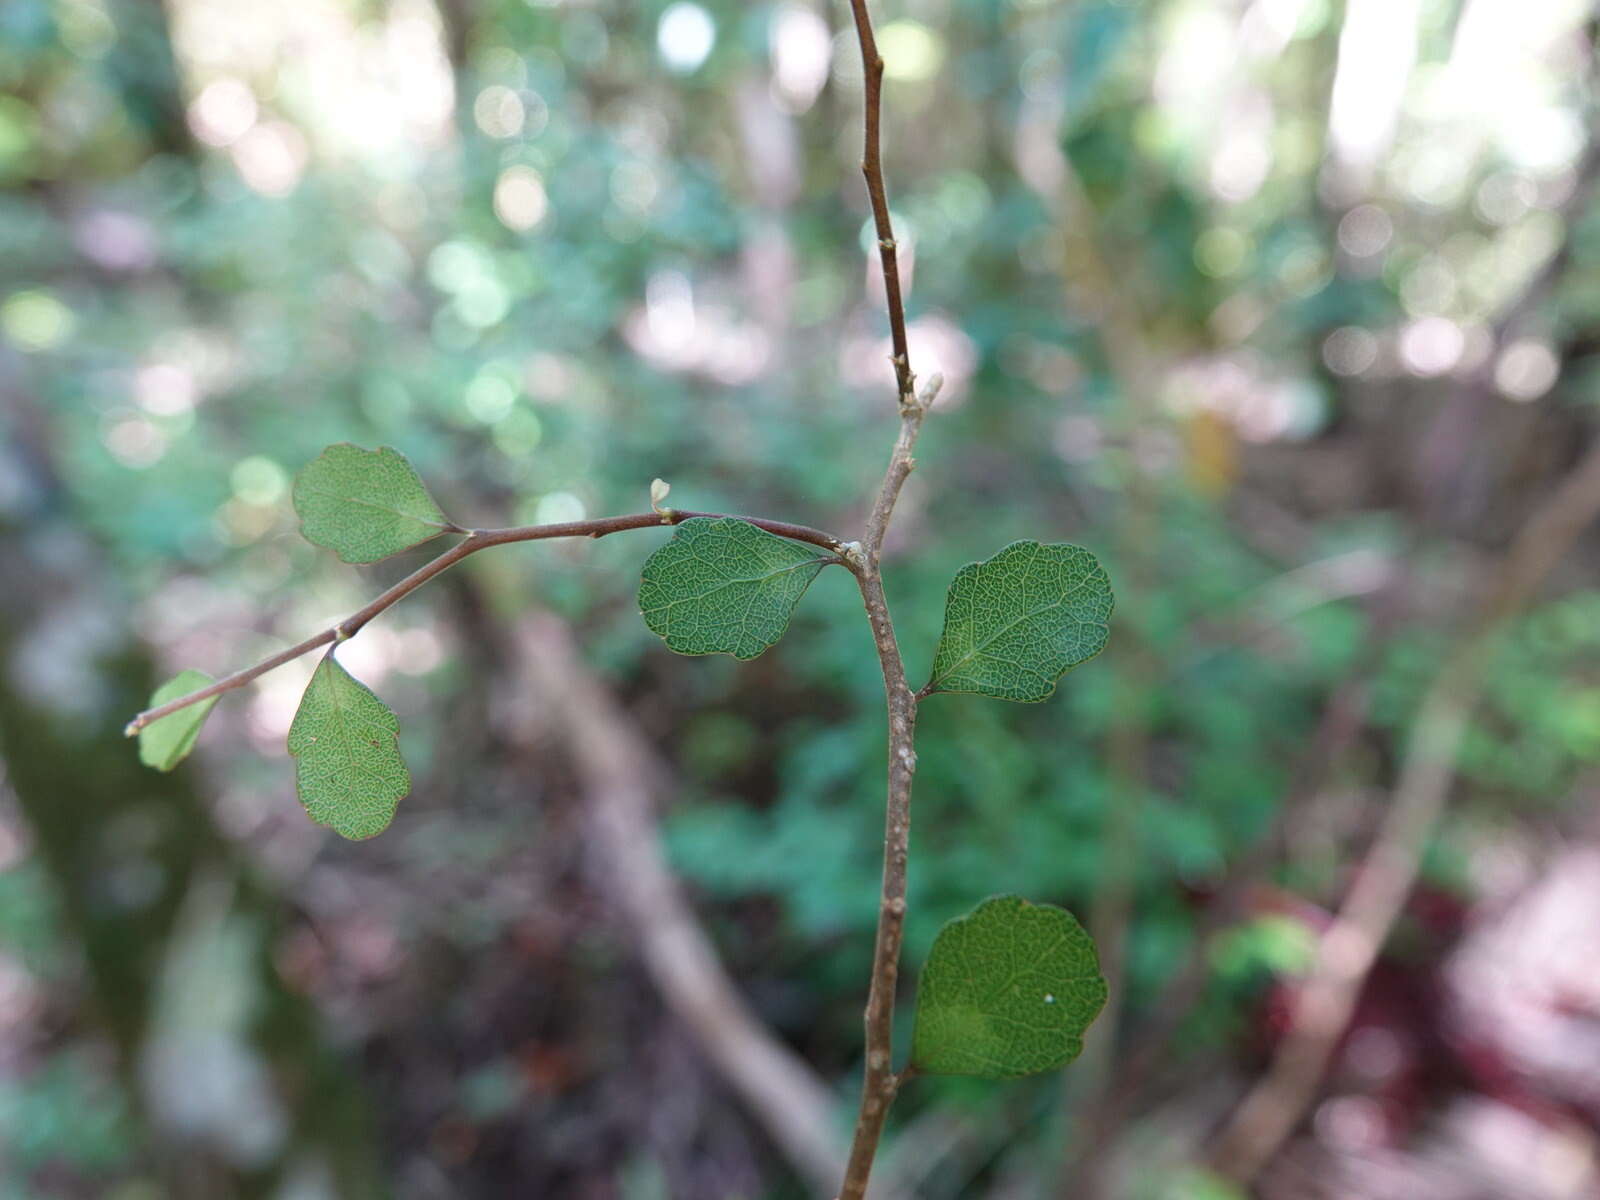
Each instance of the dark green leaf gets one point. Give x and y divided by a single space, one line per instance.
165 743
1008 990
723 586
1015 623
349 772
365 504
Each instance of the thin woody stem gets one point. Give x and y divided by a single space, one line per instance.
880 1082
872 169
476 539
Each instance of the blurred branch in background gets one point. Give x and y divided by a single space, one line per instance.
619 775
1152 1042
1326 997
1452 469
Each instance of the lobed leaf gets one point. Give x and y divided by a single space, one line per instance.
345 741
1009 990
1017 622
724 586
165 743
365 504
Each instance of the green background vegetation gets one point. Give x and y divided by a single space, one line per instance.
1291 323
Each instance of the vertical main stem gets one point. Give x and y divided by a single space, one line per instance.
880 1083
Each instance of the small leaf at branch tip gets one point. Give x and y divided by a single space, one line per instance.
724 586
1009 990
166 742
348 769
659 490
365 505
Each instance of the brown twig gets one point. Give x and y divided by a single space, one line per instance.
1346 953
880 1082
872 169
476 539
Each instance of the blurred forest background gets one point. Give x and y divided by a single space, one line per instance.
1288 309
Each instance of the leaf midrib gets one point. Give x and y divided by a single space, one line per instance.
1000 633
728 583
340 496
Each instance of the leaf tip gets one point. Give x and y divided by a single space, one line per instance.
349 773
167 741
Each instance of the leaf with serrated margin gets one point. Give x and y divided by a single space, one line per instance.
348 768
724 586
365 504
1015 623
1009 990
165 743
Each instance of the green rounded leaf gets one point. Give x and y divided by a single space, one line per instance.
349 772
165 743
1009 990
365 504
1014 624
723 586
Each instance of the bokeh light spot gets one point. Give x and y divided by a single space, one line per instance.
685 37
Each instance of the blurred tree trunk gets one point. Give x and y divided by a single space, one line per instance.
225 1067
144 70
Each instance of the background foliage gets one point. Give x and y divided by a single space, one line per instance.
1284 307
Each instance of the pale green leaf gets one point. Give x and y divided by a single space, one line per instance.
165 743
349 772
1015 623
723 586
1009 990
365 504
